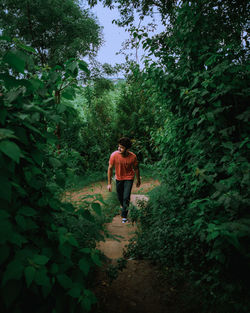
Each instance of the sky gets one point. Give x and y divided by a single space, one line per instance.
114 36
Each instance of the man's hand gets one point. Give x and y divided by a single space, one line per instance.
138 184
109 187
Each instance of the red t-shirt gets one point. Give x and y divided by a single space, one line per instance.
124 165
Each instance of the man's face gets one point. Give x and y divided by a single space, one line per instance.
122 149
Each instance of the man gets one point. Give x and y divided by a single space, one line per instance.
126 167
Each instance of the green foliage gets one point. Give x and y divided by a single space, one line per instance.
47 247
198 221
92 133
56 30
134 110
111 207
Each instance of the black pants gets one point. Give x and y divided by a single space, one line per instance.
123 189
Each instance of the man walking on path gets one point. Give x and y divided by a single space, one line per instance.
126 167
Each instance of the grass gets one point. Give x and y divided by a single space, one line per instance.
78 182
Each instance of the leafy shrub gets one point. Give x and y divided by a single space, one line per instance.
45 259
198 219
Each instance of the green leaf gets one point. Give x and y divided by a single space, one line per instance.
62 230
55 162
27 48
40 259
54 268
11 150
84 266
86 303
29 272
64 280
14 271
5 38
17 239
16 61
97 208
88 299
66 250
75 291
86 250
69 93
41 278
195 111
13 94
21 221
96 259
6 133
84 67
73 241
37 156
72 69
61 107
228 145
27 211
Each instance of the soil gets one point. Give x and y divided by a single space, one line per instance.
140 287
101 188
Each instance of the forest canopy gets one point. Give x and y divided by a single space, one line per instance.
58 30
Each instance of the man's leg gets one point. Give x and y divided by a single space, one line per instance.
120 190
126 197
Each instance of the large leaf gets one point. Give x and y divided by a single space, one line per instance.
15 60
27 211
84 266
95 257
41 278
6 133
11 150
84 67
64 280
14 271
69 93
75 291
40 259
29 275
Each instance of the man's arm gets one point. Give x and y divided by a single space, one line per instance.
110 173
137 173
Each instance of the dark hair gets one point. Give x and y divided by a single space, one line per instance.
126 142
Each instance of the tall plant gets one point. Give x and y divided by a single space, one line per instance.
45 260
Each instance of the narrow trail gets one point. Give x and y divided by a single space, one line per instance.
136 289
139 287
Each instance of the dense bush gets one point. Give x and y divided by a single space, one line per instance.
198 220
47 248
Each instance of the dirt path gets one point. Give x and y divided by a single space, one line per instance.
101 188
139 287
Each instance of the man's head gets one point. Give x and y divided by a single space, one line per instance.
125 142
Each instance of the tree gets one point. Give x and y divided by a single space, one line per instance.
58 30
